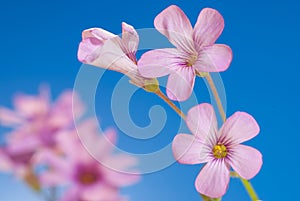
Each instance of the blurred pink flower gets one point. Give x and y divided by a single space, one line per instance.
195 50
89 179
107 50
35 122
219 149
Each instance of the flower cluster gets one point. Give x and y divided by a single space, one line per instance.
194 54
45 151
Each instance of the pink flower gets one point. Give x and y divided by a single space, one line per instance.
219 149
107 50
36 117
89 179
35 122
195 50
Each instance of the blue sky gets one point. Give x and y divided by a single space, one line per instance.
39 41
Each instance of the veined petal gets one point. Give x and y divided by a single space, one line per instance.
214 58
92 41
98 33
181 83
208 28
239 128
130 38
158 63
104 49
202 122
189 150
174 24
213 179
245 160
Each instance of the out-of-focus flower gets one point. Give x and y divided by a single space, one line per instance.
195 50
35 122
219 149
89 179
106 50
36 117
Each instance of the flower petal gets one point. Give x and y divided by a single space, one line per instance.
214 58
174 24
238 128
181 83
245 160
71 194
158 63
208 28
103 49
202 122
213 179
189 150
92 41
5 163
130 38
31 106
9 117
119 179
99 192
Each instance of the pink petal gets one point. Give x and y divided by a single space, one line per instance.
239 128
174 24
214 58
189 150
181 83
158 63
130 38
208 28
53 178
202 122
5 163
213 179
62 111
89 50
245 160
70 145
55 161
98 33
120 162
71 194
103 49
31 106
99 145
99 192
9 117
119 179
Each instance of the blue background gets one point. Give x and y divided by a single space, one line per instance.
39 43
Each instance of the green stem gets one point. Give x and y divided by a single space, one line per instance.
170 103
249 188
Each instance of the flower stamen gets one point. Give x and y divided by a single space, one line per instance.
219 151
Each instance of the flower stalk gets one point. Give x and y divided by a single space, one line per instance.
170 103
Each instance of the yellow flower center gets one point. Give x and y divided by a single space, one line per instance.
219 151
